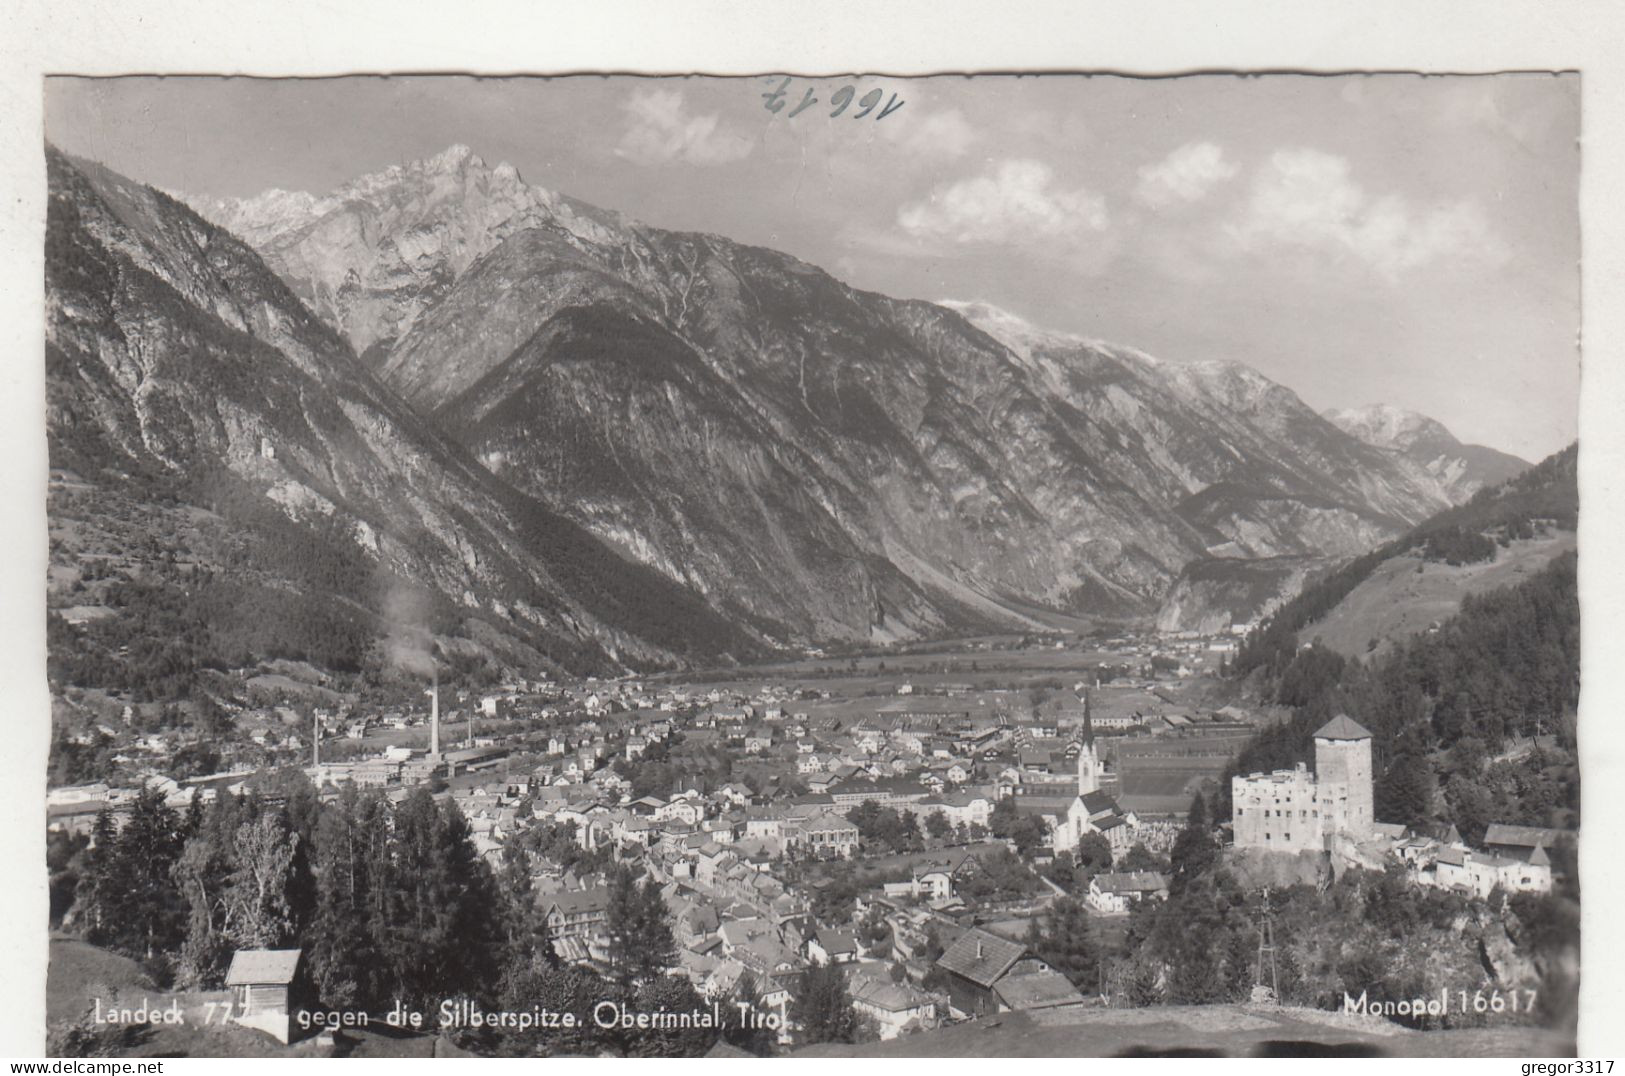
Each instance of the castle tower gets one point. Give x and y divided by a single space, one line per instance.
1343 776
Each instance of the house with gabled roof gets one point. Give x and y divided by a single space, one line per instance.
1112 893
1522 842
985 974
896 1008
827 946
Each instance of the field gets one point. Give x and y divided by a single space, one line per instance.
1397 600
975 662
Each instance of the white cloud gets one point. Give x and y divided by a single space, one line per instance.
1016 202
940 134
1483 103
662 130
1186 175
1305 198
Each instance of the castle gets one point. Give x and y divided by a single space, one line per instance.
1295 810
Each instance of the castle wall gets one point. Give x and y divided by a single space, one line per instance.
1278 811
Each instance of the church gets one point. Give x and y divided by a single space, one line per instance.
1296 810
1092 810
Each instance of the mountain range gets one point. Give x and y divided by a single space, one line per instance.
581 432
1462 470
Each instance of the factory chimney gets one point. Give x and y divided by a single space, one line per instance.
434 715
315 739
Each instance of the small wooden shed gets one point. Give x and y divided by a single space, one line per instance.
261 984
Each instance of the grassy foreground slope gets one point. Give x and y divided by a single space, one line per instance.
1202 1030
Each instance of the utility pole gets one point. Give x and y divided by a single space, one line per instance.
1266 948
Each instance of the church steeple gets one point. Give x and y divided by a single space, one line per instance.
1088 764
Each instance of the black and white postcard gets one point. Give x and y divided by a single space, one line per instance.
796 564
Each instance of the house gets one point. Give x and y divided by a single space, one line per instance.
1113 892
986 974
736 794
575 913
261 984
648 805
823 834
764 822
935 886
1521 842
896 1008
1033 985
832 947
680 810
1480 873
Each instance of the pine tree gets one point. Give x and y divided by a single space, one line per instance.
641 945
478 917
151 916
1194 850
1241 964
375 894
822 1010
525 933
301 815
193 822
1406 792
1067 944
339 947
103 888
420 931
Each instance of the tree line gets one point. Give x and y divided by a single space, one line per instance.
391 904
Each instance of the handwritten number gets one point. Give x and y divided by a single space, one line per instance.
775 100
805 101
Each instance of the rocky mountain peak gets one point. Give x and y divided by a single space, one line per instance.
454 157
370 256
1387 426
1461 469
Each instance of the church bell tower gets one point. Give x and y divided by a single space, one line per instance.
1088 761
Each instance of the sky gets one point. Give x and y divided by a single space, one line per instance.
1362 239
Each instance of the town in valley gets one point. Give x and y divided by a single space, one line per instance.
912 816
